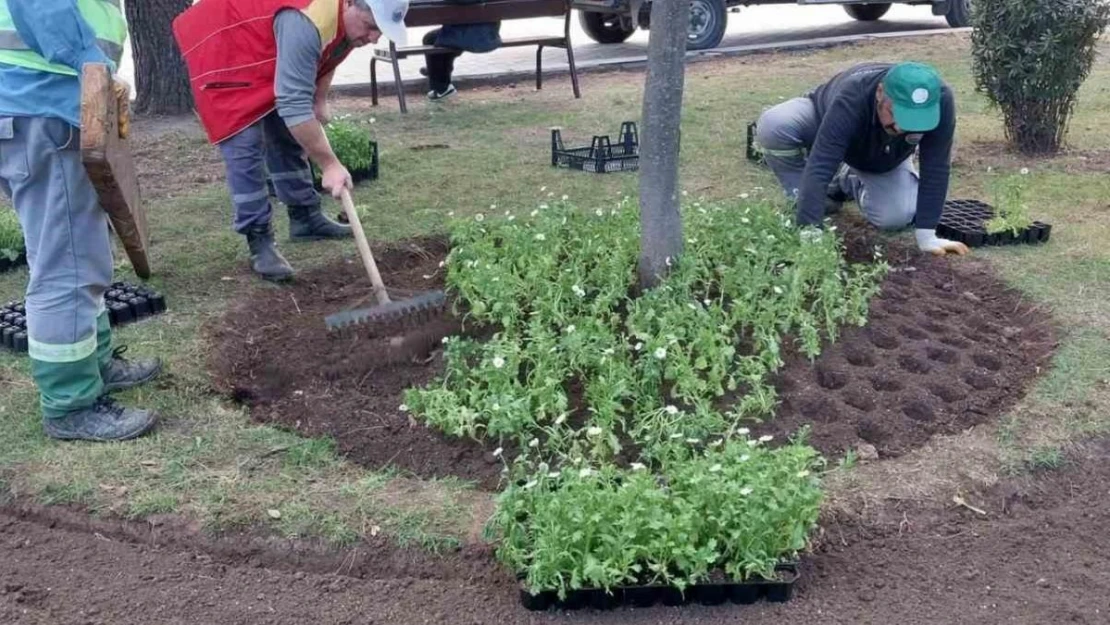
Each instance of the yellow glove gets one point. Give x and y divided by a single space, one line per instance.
122 91
927 241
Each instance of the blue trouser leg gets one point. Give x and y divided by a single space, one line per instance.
288 165
244 158
69 253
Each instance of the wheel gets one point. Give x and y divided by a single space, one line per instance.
959 13
604 27
867 12
708 19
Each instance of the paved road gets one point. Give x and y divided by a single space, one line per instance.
751 26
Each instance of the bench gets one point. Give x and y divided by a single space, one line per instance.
439 13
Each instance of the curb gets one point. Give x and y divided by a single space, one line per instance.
416 85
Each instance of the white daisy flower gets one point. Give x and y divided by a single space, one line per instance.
672 410
636 466
660 353
498 362
746 491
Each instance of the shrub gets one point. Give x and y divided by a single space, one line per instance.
1030 58
11 236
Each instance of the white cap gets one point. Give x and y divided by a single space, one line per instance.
389 15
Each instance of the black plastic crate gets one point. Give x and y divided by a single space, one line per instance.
965 221
706 593
602 156
7 264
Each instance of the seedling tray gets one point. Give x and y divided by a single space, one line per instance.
602 156
707 593
7 265
965 221
357 175
126 303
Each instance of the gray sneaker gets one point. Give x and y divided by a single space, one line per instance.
103 421
123 374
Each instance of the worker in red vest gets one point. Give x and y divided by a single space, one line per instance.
260 72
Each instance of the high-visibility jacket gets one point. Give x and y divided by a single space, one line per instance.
231 54
104 17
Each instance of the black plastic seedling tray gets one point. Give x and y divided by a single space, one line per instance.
602 156
965 221
7 264
357 175
707 593
126 303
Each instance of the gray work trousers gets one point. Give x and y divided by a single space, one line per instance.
267 145
70 257
787 132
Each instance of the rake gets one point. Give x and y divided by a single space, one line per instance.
388 314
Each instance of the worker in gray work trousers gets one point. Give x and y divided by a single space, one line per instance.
854 137
264 104
44 45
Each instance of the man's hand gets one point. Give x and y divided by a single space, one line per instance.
336 178
927 241
122 91
322 111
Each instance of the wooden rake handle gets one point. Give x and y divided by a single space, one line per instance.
364 249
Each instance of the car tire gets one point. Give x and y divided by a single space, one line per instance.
604 27
867 12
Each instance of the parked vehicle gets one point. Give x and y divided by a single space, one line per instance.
613 21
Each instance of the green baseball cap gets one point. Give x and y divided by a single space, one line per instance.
914 89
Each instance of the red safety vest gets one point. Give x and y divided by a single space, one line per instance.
231 54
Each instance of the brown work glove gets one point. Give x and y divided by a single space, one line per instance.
122 92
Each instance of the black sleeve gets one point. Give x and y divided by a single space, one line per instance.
936 154
841 123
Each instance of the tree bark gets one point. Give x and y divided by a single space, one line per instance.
161 82
660 220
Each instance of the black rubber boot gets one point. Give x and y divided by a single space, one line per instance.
266 260
307 223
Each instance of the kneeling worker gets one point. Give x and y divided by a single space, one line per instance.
854 138
260 72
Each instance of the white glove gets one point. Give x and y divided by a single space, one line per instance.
927 241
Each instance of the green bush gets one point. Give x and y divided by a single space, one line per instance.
11 235
1030 58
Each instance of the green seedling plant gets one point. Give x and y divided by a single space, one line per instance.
623 411
1011 208
350 141
11 235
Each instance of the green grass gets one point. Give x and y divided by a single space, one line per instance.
208 462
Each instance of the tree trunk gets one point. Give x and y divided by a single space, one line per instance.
660 221
161 82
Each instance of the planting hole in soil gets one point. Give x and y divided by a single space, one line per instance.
859 355
858 398
831 379
979 381
987 361
939 354
913 364
949 392
918 410
883 339
912 333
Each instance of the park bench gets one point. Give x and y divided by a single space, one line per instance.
439 13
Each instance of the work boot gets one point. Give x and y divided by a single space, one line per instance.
266 260
123 374
307 223
835 197
103 421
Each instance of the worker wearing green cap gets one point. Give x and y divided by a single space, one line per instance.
853 138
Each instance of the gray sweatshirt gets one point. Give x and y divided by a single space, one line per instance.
298 62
